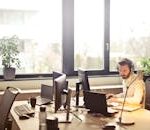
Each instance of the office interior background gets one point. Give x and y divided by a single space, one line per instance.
64 35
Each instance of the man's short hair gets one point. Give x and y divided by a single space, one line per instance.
126 61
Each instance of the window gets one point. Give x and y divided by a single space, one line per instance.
129 31
64 35
39 25
89 34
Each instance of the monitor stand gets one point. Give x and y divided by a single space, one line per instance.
80 106
66 118
77 96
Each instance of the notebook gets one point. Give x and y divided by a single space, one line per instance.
96 102
46 96
128 108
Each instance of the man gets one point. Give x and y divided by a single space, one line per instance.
133 82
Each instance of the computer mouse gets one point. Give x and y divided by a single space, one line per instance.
23 117
109 127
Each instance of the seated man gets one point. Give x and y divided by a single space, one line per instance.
134 83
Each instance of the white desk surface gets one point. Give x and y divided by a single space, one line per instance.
141 118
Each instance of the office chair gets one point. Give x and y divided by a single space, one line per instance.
147 89
141 76
5 105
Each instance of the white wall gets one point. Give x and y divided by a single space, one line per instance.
35 84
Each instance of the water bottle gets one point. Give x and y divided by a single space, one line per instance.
42 118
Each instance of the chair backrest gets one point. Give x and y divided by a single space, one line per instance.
147 91
6 102
83 78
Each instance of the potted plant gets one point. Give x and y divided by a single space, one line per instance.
145 63
9 55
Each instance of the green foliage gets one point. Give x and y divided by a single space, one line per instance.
145 62
9 51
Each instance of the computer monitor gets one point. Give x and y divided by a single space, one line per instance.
83 78
60 88
56 74
84 82
96 102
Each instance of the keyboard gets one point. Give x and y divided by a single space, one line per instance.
42 101
23 109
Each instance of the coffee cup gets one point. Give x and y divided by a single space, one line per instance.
52 123
33 101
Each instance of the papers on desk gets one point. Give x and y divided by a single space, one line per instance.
128 108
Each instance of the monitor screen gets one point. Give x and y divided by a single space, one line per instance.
83 78
96 102
46 91
56 75
60 86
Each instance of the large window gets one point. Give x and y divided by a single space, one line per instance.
64 35
39 24
89 34
129 30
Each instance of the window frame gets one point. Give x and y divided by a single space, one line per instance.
68 43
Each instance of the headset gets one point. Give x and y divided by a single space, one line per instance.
126 61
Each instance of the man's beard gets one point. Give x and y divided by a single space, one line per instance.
126 76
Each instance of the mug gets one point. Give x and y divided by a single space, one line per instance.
33 101
52 123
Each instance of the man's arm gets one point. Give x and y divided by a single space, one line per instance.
137 97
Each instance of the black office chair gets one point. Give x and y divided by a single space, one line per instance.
5 105
147 90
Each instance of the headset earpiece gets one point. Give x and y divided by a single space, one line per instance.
131 65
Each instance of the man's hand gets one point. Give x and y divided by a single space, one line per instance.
115 99
109 95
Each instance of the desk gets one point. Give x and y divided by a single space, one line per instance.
90 122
